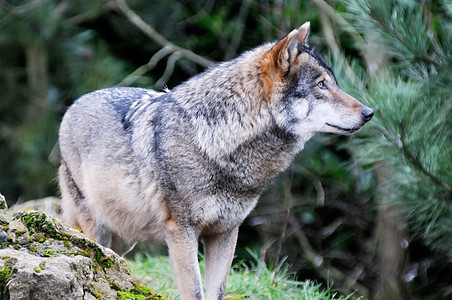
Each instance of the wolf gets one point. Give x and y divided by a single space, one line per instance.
188 165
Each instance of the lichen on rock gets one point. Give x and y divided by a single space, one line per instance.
42 258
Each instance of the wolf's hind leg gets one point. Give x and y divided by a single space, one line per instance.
102 235
75 211
120 245
219 252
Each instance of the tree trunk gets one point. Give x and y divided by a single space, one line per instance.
392 242
37 76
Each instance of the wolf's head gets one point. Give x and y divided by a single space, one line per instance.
302 91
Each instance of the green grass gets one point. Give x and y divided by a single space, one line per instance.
255 282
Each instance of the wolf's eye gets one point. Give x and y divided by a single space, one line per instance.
321 85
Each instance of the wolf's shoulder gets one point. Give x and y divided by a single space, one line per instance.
119 95
112 105
120 99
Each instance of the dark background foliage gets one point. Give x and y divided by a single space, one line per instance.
369 213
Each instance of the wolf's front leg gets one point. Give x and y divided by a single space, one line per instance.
182 244
219 252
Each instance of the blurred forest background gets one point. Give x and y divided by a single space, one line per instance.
370 213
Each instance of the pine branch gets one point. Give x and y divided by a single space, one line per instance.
140 71
329 11
19 10
202 11
123 8
236 37
171 62
416 163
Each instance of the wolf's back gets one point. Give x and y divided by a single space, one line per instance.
95 126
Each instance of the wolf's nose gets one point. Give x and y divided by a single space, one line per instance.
368 113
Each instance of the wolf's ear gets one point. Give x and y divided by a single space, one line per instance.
279 59
298 37
286 50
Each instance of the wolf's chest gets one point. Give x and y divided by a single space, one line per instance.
216 214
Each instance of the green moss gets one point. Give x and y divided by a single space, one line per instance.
3 204
102 260
70 253
32 248
96 294
90 289
17 246
143 289
43 230
5 277
4 223
114 286
48 253
130 295
20 232
141 292
27 220
39 221
83 252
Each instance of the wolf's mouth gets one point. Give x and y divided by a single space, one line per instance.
350 130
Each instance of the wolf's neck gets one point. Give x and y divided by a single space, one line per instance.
256 162
225 106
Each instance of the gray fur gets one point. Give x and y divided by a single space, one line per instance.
190 164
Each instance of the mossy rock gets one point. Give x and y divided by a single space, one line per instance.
3 204
41 256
